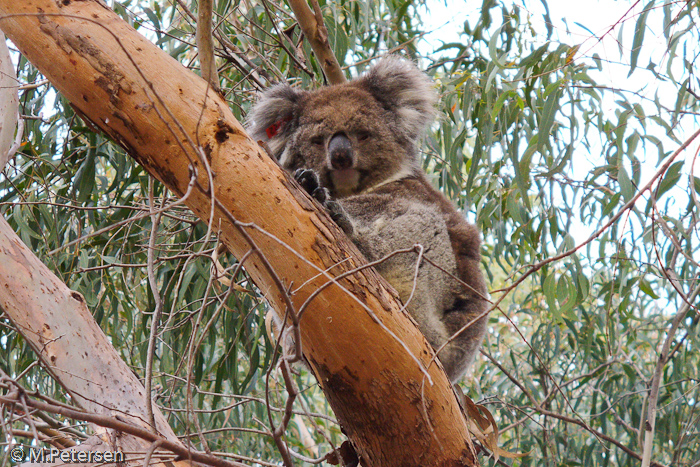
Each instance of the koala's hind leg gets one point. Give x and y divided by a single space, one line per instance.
466 327
308 179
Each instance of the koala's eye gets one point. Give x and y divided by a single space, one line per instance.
363 135
317 140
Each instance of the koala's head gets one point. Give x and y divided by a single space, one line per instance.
355 135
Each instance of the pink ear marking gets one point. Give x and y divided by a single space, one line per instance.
275 128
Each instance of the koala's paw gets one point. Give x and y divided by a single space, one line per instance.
308 179
340 217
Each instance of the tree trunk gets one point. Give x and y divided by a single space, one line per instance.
362 349
57 324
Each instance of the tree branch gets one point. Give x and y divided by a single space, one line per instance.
311 23
541 410
664 355
123 427
205 43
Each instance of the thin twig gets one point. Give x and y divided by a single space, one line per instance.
149 453
118 425
277 433
236 56
155 319
129 220
537 406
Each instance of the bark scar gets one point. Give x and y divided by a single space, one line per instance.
111 79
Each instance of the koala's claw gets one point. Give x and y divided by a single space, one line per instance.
308 179
340 217
322 195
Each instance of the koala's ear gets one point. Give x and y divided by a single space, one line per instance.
402 88
271 119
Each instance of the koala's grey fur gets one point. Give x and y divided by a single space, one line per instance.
361 141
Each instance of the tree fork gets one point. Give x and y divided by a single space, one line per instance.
362 349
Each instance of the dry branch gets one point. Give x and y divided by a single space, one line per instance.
664 356
311 23
365 353
205 43
128 428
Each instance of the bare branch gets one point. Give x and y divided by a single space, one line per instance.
311 22
115 424
541 410
155 319
650 423
238 58
205 43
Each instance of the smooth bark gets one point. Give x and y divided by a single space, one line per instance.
57 324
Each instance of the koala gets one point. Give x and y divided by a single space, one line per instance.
355 148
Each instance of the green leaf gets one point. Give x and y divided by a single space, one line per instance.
522 177
84 181
499 103
611 204
566 296
494 54
24 230
514 207
155 20
639 30
645 287
550 293
534 58
626 187
551 106
671 177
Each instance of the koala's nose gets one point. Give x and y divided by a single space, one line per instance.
340 152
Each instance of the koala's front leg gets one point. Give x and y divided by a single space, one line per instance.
308 179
